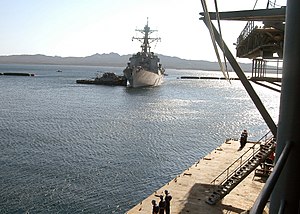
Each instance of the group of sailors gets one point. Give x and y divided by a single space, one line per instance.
164 204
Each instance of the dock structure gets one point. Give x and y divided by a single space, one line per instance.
191 189
261 40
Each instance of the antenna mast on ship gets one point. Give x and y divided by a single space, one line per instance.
146 40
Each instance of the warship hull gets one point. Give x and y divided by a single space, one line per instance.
139 77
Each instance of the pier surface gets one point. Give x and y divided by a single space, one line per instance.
190 189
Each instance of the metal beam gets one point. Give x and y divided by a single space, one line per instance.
275 14
255 98
266 86
287 189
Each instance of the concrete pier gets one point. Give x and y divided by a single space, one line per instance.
190 189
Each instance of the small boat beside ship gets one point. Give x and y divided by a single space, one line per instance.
143 68
107 78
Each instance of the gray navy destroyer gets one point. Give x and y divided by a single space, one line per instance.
143 68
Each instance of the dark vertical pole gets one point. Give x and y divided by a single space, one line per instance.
265 69
252 74
259 68
287 189
255 98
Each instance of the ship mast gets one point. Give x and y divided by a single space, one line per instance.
146 39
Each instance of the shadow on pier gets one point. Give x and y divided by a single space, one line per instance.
196 202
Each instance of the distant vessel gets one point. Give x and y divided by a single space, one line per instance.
107 78
143 68
17 74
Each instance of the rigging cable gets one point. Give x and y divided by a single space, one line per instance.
255 4
212 35
222 41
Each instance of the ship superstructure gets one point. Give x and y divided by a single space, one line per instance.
144 68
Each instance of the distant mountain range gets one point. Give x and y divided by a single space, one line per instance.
112 59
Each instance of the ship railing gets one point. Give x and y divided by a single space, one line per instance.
246 31
262 67
238 163
265 193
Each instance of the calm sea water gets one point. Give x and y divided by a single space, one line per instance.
72 148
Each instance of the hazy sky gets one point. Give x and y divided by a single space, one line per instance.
85 27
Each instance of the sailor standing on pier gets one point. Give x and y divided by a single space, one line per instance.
168 199
155 208
243 139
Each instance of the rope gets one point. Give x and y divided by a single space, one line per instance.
222 41
255 4
212 35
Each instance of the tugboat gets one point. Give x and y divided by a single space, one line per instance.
143 68
107 78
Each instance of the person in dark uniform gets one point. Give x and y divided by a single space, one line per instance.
168 199
243 139
162 205
155 208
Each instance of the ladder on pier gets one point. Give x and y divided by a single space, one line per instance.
233 178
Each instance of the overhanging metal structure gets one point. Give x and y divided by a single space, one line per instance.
255 98
285 196
274 14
